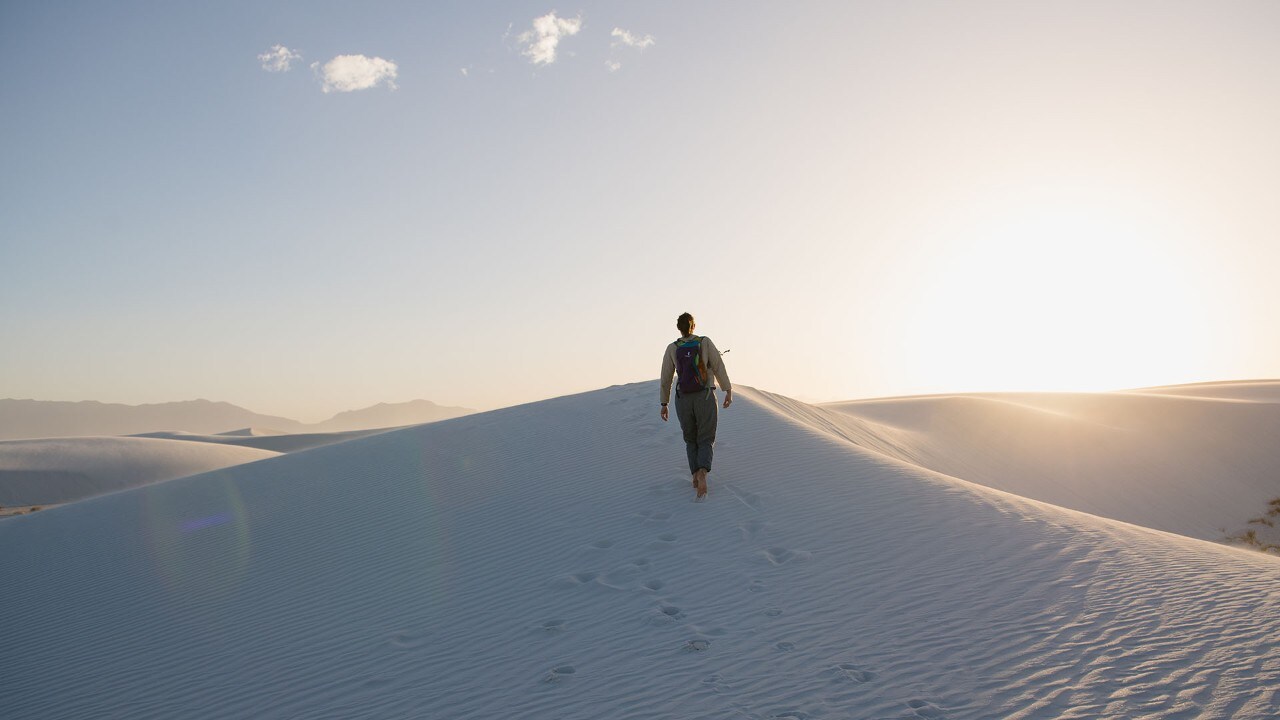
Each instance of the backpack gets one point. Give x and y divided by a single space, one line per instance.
691 366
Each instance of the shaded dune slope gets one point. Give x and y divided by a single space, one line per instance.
267 440
60 470
547 561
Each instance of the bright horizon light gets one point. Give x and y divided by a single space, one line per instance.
1066 293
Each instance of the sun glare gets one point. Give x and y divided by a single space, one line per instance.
1058 297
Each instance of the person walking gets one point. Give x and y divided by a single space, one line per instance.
698 364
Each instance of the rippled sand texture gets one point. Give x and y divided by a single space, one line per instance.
549 561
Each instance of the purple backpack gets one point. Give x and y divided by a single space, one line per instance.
691 366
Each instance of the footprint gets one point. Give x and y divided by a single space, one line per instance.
627 572
551 626
559 673
602 544
715 682
697 645
784 646
923 709
849 671
772 612
408 640
654 515
655 585
664 540
574 580
757 586
751 528
663 615
791 715
781 556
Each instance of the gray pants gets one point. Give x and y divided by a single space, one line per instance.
698 414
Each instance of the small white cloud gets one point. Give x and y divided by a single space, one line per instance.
632 40
541 41
279 59
465 72
625 38
347 73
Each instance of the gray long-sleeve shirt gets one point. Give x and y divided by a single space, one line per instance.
714 366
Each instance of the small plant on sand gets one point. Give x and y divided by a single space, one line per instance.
36 508
1249 538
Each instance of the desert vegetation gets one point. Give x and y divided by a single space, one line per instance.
1250 536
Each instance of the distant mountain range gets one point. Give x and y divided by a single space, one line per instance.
22 419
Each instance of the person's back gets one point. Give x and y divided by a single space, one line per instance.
697 363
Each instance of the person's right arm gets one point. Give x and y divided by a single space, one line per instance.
664 378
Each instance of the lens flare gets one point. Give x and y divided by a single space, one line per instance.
198 536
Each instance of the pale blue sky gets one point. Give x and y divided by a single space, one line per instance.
858 199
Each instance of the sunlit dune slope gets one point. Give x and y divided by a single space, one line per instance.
1197 460
547 561
1264 391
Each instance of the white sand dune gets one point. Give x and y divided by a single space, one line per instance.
1266 391
253 432
61 470
269 440
547 561
1199 460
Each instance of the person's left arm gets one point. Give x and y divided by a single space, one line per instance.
715 364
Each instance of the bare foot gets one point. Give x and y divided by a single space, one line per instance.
700 481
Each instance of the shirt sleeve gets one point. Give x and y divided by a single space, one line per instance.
668 370
716 365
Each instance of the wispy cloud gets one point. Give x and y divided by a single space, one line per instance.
347 73
626 39
540 42
279 59
623 37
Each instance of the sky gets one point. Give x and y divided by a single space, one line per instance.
308 207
